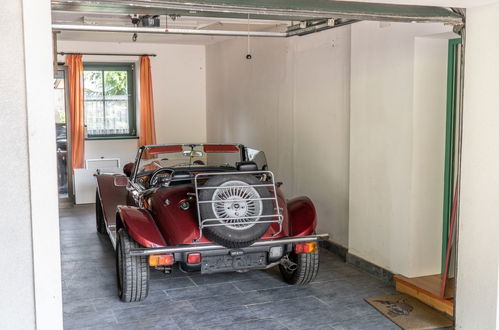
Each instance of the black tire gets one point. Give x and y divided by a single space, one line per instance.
225 235
307 266
132 271
99 215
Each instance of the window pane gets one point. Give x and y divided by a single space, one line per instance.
116 85
92 83
107 100
117 117
94 117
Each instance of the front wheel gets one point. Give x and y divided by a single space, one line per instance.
305 271
132 271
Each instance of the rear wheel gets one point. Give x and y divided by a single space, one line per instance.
99 215
132 271
307 266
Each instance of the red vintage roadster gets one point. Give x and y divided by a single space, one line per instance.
205 207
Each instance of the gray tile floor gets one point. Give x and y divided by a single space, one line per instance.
252 300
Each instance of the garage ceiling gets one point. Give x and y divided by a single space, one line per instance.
438 3
289 10
270 18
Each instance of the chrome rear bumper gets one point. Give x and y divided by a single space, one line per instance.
212 247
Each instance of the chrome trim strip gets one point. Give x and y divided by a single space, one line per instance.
229 187
246 199
112 235
204 247
246 222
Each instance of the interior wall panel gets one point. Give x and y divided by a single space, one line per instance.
396 145
290 100
477 296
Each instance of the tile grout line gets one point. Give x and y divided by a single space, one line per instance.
279 321
237 288
114 316
321 300
195 284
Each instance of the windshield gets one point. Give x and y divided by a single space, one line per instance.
190 156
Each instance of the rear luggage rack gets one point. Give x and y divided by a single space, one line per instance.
275 217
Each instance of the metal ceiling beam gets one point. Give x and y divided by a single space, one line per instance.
166 8
269 9
295 30
104 28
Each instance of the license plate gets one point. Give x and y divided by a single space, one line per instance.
214 264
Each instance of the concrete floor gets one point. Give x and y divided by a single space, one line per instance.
252 300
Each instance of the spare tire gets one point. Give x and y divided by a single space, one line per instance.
232 203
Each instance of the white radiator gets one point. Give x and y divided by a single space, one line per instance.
102 163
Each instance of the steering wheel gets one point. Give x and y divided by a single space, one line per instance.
154 176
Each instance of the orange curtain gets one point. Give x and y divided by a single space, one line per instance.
77 124
147 131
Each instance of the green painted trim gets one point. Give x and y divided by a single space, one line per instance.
132 115
449 143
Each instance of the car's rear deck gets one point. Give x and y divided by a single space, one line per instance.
252 300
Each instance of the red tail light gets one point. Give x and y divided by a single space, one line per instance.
194 258
161 260
308 247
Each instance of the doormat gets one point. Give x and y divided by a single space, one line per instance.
409 313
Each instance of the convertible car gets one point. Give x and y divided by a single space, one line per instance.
207 208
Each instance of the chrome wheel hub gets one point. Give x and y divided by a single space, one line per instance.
237 205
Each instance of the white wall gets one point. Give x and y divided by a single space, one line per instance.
125 149
398 88
250 101
30 257
16 221
291 100
321 126
478 244
428 156
179 88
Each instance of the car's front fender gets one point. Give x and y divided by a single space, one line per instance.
140 226
302 216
